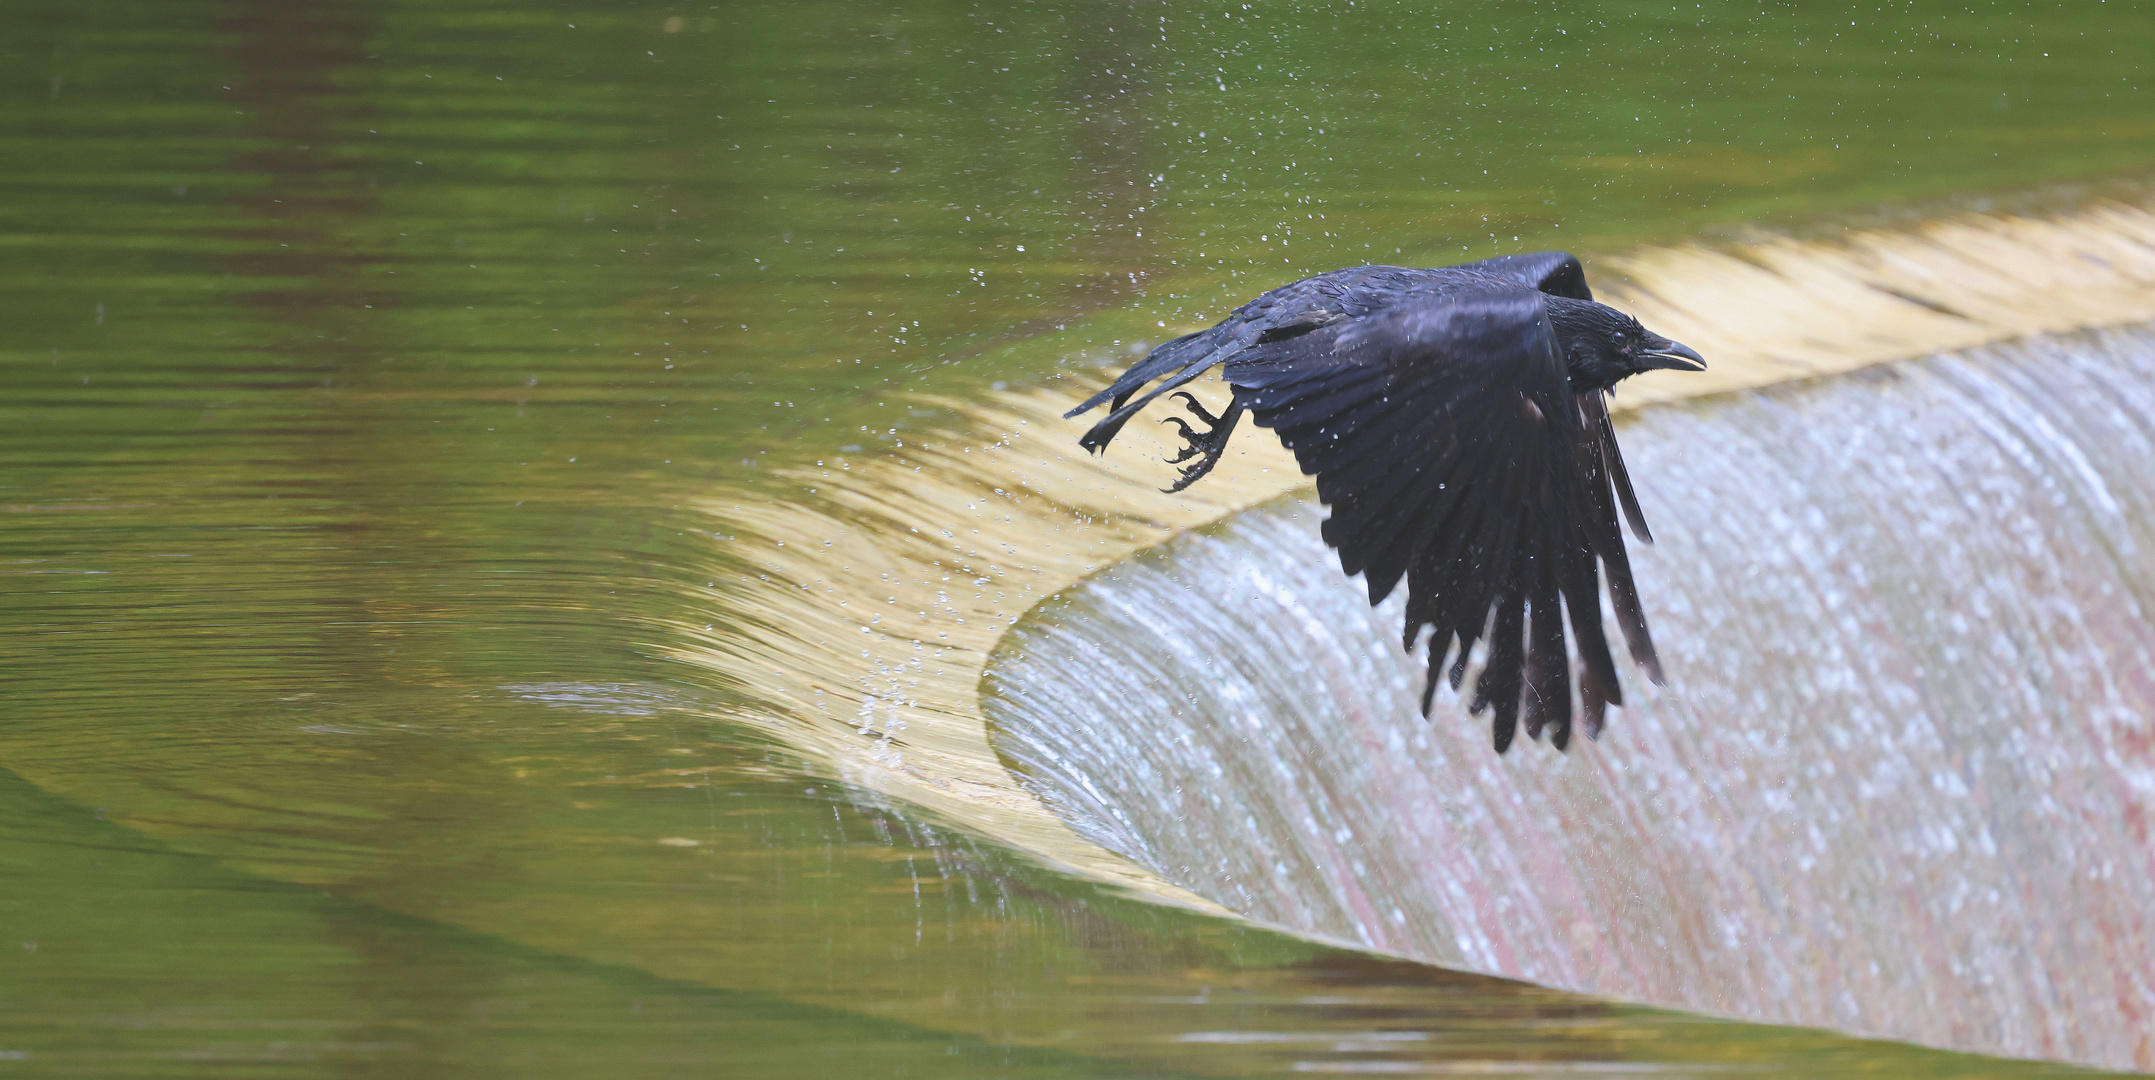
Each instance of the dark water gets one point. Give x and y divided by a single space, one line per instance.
1899 780
354 355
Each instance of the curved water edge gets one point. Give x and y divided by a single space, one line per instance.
1899 781
867 638
369 356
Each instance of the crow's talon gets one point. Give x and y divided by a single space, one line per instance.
1197 407
1211 443
1183 429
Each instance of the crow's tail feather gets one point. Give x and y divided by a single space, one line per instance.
1104 432
1161 360
1180 360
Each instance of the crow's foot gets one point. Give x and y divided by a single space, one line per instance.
1210 443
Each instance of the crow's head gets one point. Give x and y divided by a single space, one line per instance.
1603 346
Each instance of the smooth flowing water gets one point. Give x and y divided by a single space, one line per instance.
357 357
1899 781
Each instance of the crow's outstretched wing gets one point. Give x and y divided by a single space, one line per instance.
1446 438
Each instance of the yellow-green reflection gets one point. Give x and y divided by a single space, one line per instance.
353 355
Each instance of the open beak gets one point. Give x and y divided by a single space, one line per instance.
1663 353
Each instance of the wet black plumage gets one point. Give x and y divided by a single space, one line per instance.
1456 420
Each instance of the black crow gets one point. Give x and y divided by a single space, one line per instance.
1457 424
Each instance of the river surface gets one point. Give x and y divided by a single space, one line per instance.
356 357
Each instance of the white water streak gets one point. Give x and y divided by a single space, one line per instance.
1900 781
860 601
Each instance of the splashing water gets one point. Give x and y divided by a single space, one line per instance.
1899 781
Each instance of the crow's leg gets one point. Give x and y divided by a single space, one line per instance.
1196 441
1210 443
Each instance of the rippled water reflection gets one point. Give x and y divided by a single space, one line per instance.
356 355
1899 781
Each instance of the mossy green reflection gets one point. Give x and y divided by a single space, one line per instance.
353 355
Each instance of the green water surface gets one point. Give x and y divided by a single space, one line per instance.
355 357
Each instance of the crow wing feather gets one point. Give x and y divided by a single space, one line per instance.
1445 437
1303 306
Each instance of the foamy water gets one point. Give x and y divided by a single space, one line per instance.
1899 781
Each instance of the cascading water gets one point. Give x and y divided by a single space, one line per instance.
1899 781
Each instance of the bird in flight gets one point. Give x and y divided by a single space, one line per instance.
1457 422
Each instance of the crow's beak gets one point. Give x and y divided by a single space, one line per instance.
1663 353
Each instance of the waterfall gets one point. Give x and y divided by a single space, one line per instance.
1899 781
